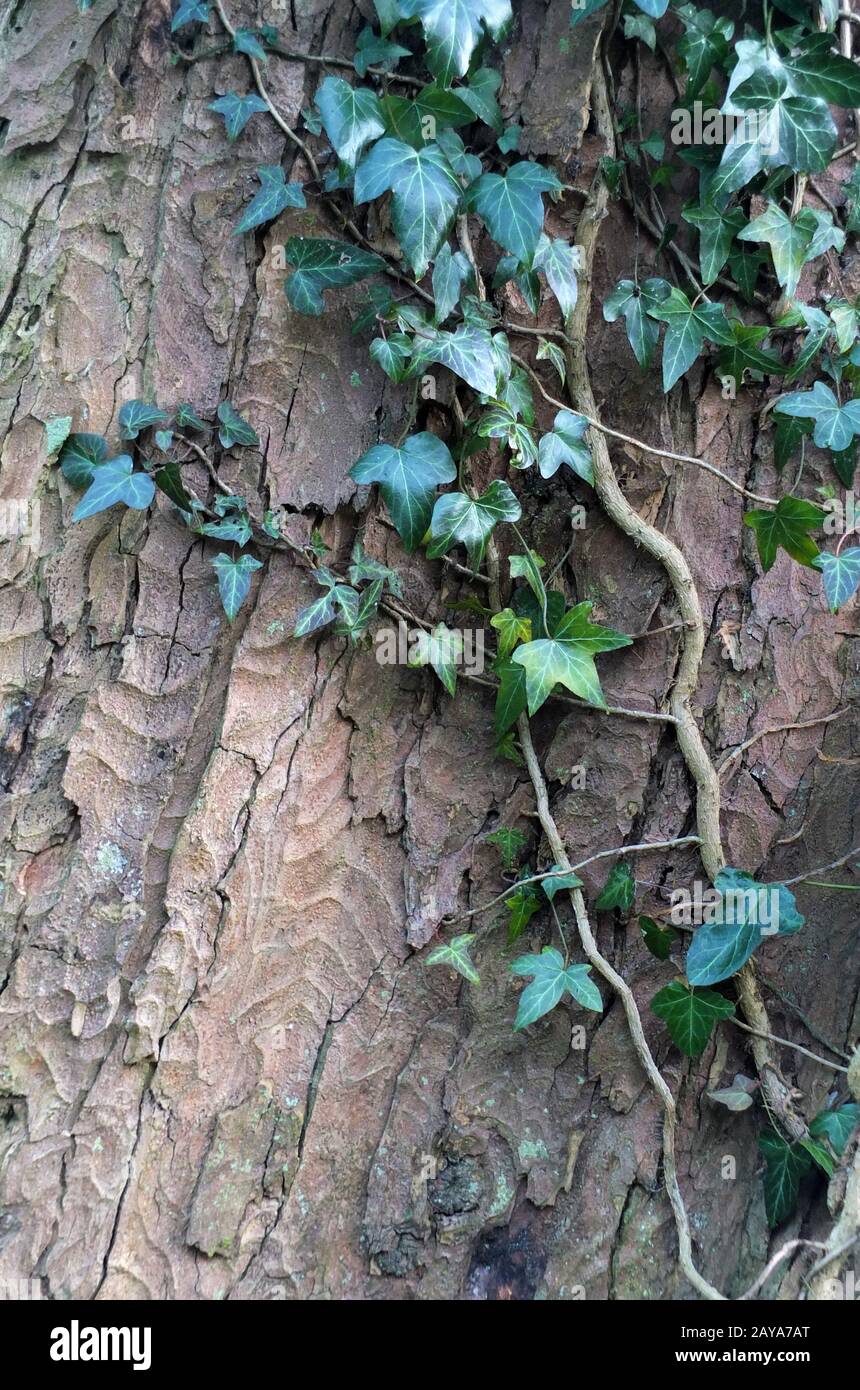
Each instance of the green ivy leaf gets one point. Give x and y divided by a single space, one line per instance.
351 117
235 430
274 195
785 1165
522 906
408 478
553 353
114 482
321 264
480 97
234 580
363 568
618 891
717 231
237 111
639 26
687 327
511 698
469 353
703 46
637 305
189 12
392 355
787 436
552 979
836 1126
510 843
749 911
136 416
658 940
462 520
441 648
565 879
377 52
509 141
566 444
512 208
426 195
835 424
841 576
567 659
787 526
454 28
188 419
81 454
559 263
822 73
450 273
247 42
416 119
690 1015
467 166
789 239
745 354
456 955
512 629
169 480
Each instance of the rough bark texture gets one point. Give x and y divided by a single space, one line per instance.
225 1068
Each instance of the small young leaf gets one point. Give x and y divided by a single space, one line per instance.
836 1126
618 891
552 979
841 575
188 419
237 111
510 843
247 42
564 879
235 430
456 955
690 1015
189 12
659 940
274 195
787 526
136 416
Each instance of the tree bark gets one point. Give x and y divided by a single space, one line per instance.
225 1069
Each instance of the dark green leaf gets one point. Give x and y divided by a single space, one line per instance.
408 476
351 117
512 207
274 195
462 520
659 940
690 1015
136 416
80 455
426 195
454 28
234 580
235 430
785 1165
321 264
618 891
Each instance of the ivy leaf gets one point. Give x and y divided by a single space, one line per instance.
351 117
658 940
787 526
321 264
744 354
690 1015
618 891
559 263
788 434
510 843
509 141
836 1126
512 208
480 97
639 26
841 576
564 879
392 355
785 1165
703 46
511 698
687 327
746 264
522 906
789 239
136 416
169 480
512 629
114 482
462 520
566 444
188 419
163 440
835 424
636 304
80 456
379 52
567 659
469 353
749 910
316 615
552 979
441 648
408 478
467 166
274 195
234 580
553 353
426 195
825 74
450 273
456 955
246 41
189 12
363 567
454 28
717 231
235 430
237 111
232 528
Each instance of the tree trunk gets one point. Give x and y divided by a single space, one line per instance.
226 1070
